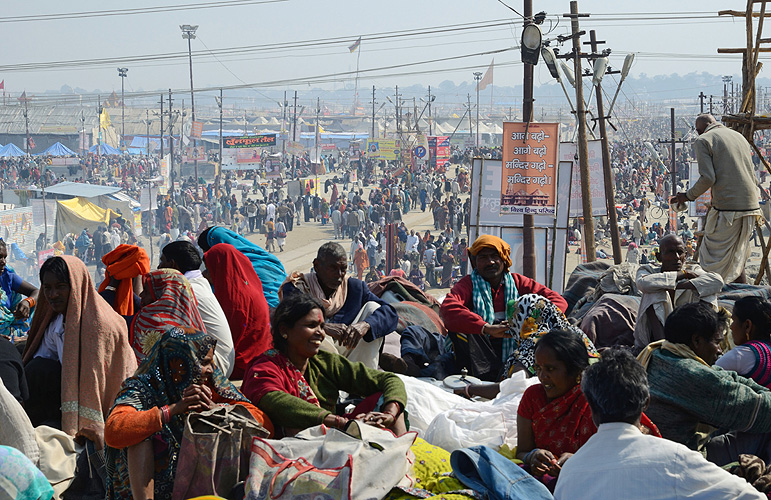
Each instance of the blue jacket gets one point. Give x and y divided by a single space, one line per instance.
382 322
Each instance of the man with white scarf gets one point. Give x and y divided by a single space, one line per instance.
357 320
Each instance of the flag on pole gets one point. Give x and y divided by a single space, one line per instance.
23 96
488 78
2 85
355 45
104 119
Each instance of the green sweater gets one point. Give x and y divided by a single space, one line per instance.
685 394
327 374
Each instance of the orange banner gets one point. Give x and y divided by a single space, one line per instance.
529 176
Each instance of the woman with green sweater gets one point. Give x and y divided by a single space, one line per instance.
298 385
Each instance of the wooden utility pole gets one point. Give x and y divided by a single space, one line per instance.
528 225
583 150
372 136
610 185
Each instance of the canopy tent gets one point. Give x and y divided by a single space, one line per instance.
78 213
106 149
57 149
11 149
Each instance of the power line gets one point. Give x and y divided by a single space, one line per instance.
131 12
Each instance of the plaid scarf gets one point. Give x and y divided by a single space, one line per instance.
482 297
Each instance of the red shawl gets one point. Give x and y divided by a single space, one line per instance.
239 291
562 425
274 372
173 305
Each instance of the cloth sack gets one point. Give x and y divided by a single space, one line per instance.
320 460
215 450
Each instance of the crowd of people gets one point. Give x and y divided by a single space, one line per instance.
120 360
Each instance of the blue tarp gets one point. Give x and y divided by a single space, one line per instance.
106 150
57 149
11 149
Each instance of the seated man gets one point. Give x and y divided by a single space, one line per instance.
352 311
619 461
690 398
667 286
184 257
475 308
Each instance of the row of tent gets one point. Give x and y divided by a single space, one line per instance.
56 149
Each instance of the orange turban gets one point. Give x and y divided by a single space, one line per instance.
494 242
124 263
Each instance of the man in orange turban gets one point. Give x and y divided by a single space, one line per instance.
123 265
477 305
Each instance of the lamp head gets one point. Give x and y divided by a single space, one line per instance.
628 60
531 44
568 73
600 66
551 62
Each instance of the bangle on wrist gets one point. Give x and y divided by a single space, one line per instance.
165 415
31 302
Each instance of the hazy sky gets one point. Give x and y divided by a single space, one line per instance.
664 46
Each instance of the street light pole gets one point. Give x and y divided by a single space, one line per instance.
188 33
478 78
219 170
122 73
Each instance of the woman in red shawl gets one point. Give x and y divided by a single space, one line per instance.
554 419
167 301
239 291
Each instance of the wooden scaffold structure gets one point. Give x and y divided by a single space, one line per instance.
746 121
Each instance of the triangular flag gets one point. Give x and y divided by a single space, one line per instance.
2 85
355 45
488 78
23 96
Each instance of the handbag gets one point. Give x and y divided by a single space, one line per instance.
281 234
215 450
322 462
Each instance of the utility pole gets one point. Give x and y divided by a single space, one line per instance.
430 121
316 137
528 224
470 123
478 78
122 73
283 128
26 125
583 150
710 104
673 166
147 132
399 125
188 33
219 170
98 123
373 114
161 129
701 101
171 147
294 136
610 185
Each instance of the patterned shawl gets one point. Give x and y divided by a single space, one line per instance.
172 364
97 356
482 296
173 305
309 283
564 424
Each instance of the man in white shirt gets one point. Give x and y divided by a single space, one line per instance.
412 242
184 257
619 461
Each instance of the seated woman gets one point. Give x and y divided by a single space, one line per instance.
76 337
144 429
239 291
167 302
690 398
267 266
298 385
554 419
17 298
751 331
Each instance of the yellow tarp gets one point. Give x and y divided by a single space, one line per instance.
78 213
